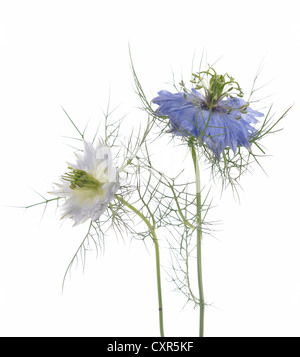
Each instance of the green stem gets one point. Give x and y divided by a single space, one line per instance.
199 237
158 278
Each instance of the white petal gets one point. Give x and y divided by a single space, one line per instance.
83 204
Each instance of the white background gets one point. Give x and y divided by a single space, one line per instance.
69 53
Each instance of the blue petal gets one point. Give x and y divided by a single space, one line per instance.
224 126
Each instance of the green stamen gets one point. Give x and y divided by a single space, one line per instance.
216 87
81 179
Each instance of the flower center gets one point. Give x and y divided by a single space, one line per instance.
216 87
81 179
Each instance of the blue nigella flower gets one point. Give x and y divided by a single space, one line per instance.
217 118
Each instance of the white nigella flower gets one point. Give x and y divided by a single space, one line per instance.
89 185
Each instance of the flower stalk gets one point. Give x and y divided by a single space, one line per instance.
199 238
157 259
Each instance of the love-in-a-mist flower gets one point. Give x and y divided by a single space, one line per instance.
89 185
218 117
